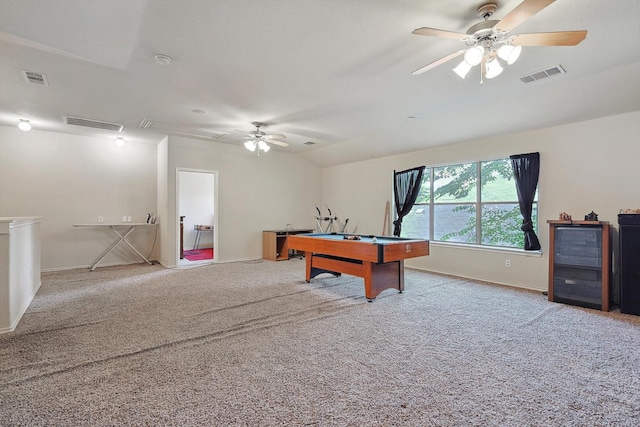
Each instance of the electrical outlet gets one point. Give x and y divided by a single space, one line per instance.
100 219
507 263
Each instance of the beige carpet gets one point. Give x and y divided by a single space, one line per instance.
252 344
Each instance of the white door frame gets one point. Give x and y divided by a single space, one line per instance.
215 206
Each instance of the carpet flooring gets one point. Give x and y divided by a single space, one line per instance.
253 344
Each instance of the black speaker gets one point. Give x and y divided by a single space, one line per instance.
629 263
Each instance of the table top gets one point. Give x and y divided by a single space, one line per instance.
291 230
363 238
383 249
202 227
119 224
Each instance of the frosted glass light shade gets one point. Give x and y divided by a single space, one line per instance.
462 69
493 69
250 145
263 146
509 53
473 56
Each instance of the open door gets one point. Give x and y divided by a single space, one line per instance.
197 214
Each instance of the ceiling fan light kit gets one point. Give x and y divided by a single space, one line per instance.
260 140
509 53
263 146
489 44
462 69
473 56
24 125
493 68
250 145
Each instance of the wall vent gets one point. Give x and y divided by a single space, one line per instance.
88 123
181 130
35 78
539 75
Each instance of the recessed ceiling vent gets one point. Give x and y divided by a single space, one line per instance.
550 72
35 78
179 130
309 143
88 123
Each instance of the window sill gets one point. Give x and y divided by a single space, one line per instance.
515 251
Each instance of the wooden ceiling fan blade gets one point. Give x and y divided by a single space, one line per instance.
434 32
521 13
559 38
275 136
438 62
276 142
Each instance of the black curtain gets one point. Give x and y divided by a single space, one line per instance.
406 186
526 169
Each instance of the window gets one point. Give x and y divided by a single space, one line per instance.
474 203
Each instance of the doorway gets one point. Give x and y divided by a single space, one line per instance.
197 212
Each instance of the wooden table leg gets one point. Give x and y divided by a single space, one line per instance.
308 256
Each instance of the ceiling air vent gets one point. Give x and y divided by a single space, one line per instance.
550 72
180 130
35 78
88 123
309 143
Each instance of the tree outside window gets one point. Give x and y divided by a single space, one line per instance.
452 206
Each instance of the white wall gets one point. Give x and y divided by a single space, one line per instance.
19 268
255 193
69 179
585 166
162 186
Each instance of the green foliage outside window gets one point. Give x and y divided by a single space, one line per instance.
497 223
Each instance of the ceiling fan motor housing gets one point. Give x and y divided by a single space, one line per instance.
487 10
484 30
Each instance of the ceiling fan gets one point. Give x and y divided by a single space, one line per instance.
489 44
261 140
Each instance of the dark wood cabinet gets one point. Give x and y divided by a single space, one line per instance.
579 263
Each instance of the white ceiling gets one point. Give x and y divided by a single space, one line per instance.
333 72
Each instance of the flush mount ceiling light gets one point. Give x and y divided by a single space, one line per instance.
24 125
489 44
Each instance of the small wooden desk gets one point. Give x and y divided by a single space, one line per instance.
275 245
122 238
